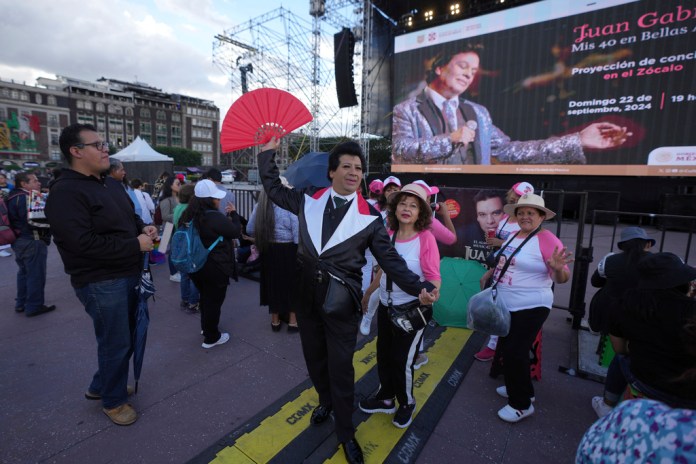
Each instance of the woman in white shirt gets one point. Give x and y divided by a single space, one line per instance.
146 204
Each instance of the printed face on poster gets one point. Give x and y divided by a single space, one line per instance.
553 87
474 213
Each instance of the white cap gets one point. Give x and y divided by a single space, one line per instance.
207 189
392 180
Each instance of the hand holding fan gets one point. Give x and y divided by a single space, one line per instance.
260 115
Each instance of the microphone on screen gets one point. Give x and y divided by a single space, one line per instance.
471 125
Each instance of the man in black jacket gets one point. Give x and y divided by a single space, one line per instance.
101 241
337 225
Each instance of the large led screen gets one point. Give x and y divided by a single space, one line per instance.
555 87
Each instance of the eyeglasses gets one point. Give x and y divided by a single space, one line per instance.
98 145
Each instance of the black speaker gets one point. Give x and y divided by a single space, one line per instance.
344 45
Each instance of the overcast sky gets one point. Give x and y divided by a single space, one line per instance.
164 43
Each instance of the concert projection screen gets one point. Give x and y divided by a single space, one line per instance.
604 87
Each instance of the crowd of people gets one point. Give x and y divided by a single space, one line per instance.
351 259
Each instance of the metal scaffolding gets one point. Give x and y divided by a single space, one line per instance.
283 50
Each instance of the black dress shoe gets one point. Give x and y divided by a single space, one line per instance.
320 414
41 310
354 454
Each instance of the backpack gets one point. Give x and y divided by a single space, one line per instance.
188 254
7 234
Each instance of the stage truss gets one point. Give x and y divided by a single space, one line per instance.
284 50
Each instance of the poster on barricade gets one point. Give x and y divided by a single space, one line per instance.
474 213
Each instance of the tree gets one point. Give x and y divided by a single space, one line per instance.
182 156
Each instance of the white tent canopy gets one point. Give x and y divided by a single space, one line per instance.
140 150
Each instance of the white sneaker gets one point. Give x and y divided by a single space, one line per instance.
510 414
600 407
502 391
421 360
224 338
5 254
175 277
365 324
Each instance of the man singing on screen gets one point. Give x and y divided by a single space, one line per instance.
440 126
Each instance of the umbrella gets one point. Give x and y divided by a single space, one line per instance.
309 171
142 319
460 281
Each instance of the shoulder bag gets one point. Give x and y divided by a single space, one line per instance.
409 317
485 311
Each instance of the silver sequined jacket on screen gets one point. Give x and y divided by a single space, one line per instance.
418 137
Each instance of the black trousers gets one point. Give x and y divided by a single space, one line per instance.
212 284
515 351
396 353
328 343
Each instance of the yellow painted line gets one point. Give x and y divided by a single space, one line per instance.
277 431
377 435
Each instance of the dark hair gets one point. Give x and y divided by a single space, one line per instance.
22 178
114 165
167 188
264 231
213 174
70 136
634 249
164 175
195 210
383 200
445 56
487 194
136 183
346 148
425 216
186 192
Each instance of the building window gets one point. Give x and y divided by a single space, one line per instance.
5 92
176 141
144 113
129 111
52 100
162 140
3 114
146 128
176 131
129 127
115 109
55 155
207 160
38 98
161 129
85 118
176 117
100 107
54 137
146 137
161 115
101 123
24 96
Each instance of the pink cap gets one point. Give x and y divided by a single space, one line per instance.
376 186
431 190
521 188
392 180
180 177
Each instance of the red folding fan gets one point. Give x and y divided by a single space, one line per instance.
260 115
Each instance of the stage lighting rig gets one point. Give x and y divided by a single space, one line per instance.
428 15
455 9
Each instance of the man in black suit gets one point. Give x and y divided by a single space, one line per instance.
337 225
